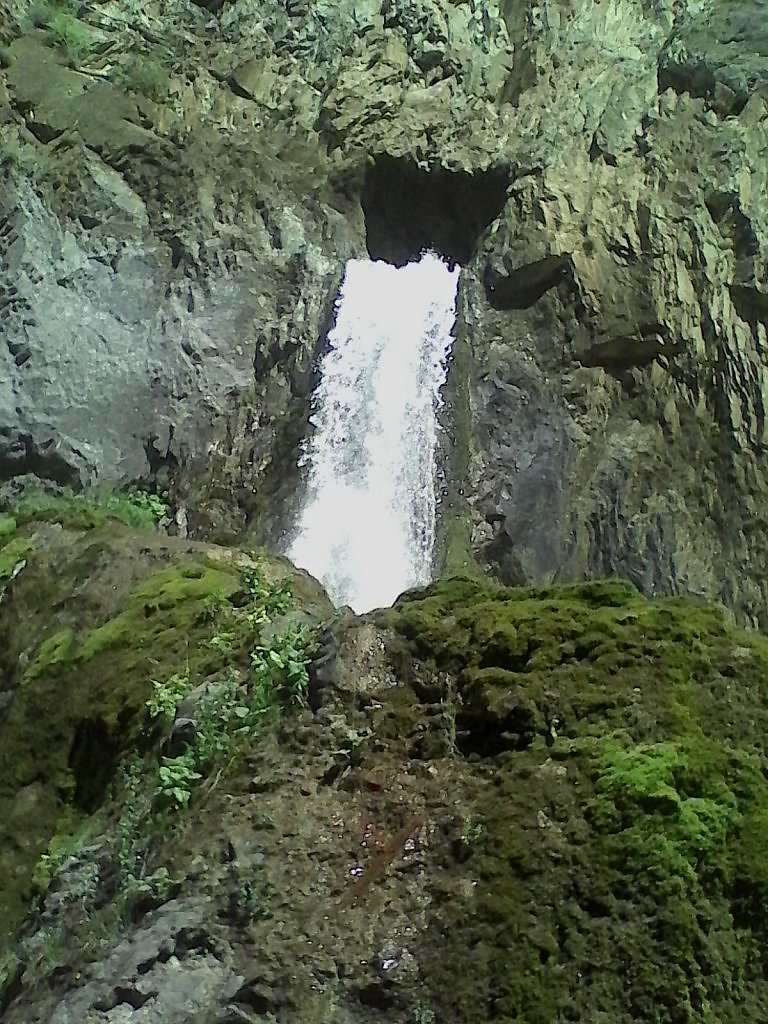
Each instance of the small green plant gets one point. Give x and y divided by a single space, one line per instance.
144 75
266 600
68 840
253 581
281 665
43 951
146 505
137 826
176 778
222 641
256 617
167 695
279 598
224 721
35 957
473 832
251 897
213 606
71 34
146 889
234 711
421 1014
133 828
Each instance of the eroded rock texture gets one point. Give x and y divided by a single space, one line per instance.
618 377
183 186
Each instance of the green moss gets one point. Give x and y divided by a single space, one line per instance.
143 74
677 824
7 528
55 650
89 511
94 619
71 834
155 611
13 552
669 811
82 701
71 34
623 874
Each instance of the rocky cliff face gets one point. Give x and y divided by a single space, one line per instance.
618 358
220 799
183 184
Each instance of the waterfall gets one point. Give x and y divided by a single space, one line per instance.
368 524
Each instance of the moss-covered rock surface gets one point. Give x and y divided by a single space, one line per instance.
619 861
94 614
483 804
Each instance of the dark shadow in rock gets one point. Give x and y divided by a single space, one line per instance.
377 994
212 6
751 303
12 987
408 209
621 353
503 561
21 455
497 714
718 55
122 994
522 287
156 458
258 995
92 758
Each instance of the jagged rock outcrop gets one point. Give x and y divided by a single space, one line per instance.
618 387
184 185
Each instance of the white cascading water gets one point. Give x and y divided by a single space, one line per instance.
368 525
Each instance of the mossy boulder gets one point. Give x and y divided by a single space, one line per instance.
620 872
91 618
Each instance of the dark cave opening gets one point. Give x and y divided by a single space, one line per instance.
92 759
408 209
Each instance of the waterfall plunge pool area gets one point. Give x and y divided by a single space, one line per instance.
367 525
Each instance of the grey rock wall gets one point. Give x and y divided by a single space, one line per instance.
180 198
619 375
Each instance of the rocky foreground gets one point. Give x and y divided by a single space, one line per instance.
222 800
